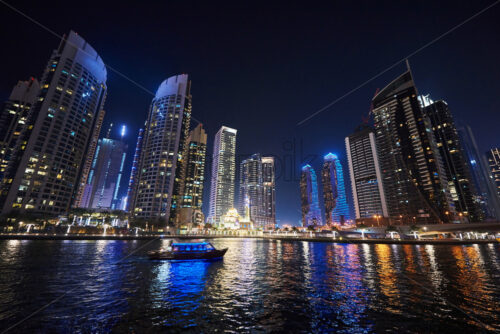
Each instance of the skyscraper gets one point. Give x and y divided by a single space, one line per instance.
13 117
133 172
160 173
311 214
366 177
414 181
493 156
334 194
487 195
251 191
223 174
194 174
103 184
63 120
87 161
455 166
257 190
269 192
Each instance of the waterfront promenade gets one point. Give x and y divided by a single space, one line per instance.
268 236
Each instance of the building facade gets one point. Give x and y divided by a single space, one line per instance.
158 187
103 183
365 174
334 194
414 181
257 190
311 213
493 156
456 168
223 174
13 117
133 172
487 194
194 169
61 124
269 192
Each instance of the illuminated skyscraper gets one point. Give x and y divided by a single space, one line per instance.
223 174
366 176
334 194
194 174
13 118
269 192
413 177
311 213
494 163
103 183
63 121
160 172
455 166
257 190
487 195
133 172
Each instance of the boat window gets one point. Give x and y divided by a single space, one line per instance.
188 248
176 249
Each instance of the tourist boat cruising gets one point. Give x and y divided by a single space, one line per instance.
199 250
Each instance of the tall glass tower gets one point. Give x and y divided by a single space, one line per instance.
13 118
334 194
160 172
487 195
311 213
133 171
366 177
194 174
457 171
61 124
103 183
223 174
414 180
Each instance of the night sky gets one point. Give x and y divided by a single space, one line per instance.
263 68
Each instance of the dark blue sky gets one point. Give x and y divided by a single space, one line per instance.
263 68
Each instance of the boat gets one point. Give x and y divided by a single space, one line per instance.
198 250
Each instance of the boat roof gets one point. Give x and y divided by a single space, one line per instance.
190 243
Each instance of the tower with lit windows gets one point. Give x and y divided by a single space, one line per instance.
334 194
223 174
159 178
61 125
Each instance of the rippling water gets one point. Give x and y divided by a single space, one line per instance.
260 286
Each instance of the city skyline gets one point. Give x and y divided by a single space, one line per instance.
288 194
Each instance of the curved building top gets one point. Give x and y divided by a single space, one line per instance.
74 46
176 84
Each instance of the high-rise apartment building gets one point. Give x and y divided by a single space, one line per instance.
103 183
334 194
13 118
366 177
194 169
493 156
61 123
223 174
450 149
487 194
415 184
269 192
159 179
257 190
311 213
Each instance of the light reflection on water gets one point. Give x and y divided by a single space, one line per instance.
259 286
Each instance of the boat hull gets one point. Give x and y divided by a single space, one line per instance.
215 254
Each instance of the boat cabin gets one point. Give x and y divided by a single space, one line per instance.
192 247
